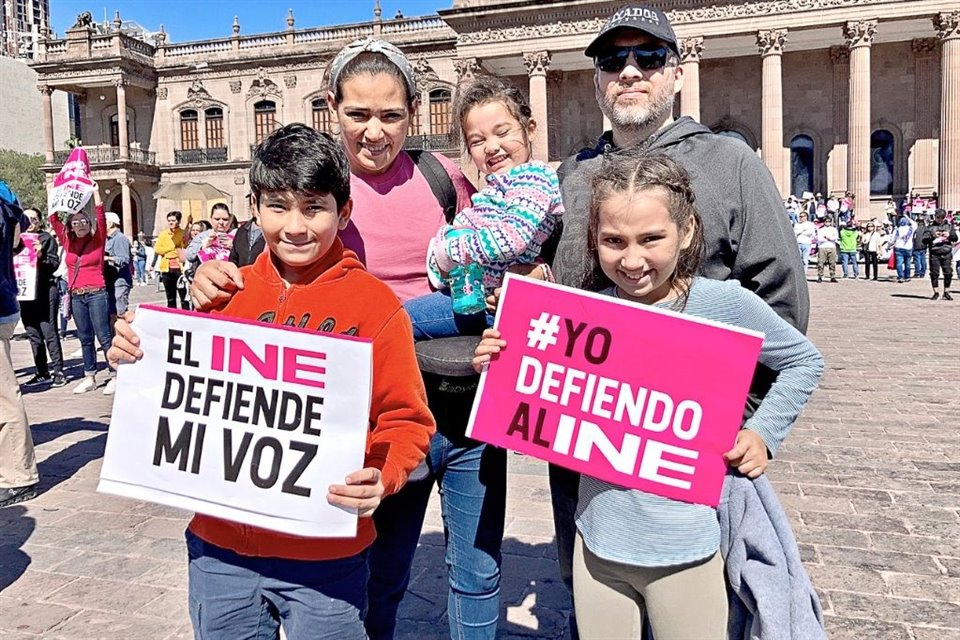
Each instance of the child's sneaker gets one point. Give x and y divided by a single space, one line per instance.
111 387
59 380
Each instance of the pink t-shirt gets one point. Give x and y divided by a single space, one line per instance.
395 214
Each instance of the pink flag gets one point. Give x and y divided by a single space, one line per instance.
73 186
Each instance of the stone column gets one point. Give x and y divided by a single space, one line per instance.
538 63
121 85
922 173
770 43
690 51
948 30
45 92
125 182
859 37
837 155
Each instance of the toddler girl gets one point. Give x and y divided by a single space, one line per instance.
510 218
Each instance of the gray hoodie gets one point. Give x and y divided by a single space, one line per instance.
748 237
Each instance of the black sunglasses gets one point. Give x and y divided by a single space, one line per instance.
614 60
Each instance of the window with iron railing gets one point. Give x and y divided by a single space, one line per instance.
322 118
441 115
214 126
189 129
265 119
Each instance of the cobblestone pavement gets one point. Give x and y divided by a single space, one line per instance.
870 478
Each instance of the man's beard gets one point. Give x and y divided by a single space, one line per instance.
632 117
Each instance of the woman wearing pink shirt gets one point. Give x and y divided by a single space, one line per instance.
373 93
83 242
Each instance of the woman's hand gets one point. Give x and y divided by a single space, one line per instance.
96 195
363 491
214 283
126 343
749 454
490 345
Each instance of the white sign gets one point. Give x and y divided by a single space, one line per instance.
25 268
240 420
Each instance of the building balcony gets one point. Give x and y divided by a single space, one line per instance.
109 155
200 156
432 142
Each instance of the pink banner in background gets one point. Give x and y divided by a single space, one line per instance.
640 397
72 186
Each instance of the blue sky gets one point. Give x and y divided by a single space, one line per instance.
199 19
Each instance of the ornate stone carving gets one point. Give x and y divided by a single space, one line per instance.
748 9
84 21
235 86
121 83
691 49
161 93
770 42
197 94
839 54
466 67
537 63
45 89
860 33
125 180
947 25
923 47
290 81
263 86
236 26
239 179
757 8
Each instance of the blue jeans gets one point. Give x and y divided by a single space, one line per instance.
473 492
235 597
904 256
851 258
919 262
433 317
804 253
91 313
141 269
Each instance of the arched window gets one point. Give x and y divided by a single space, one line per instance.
214 118
881 163
322 120
801 165
189 130
115 130
441 116
265 119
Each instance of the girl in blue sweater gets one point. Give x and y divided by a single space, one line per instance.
637 554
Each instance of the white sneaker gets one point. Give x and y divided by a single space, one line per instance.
89 383
111 387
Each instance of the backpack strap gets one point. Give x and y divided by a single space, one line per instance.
439 181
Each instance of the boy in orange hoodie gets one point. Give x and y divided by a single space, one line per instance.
244 580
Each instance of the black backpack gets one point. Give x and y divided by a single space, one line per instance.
439 181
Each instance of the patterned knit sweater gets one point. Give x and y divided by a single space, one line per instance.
511 218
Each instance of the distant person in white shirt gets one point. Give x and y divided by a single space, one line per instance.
827 237
805 232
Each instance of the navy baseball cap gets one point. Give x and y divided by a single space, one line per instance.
639 18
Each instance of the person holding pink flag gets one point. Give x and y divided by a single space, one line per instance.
84 241
214 243
639 555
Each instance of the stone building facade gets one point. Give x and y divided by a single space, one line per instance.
834 95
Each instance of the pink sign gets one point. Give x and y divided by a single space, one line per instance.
219 248
25 267
72 186
641 397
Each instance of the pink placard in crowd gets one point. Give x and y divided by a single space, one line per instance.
25 267
72 186
640 397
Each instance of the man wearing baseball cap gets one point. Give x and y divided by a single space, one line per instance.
637 75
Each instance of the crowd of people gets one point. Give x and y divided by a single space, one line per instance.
660 212
913 240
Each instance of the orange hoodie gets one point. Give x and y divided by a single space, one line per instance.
339 297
